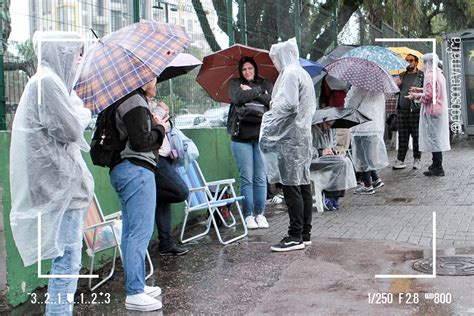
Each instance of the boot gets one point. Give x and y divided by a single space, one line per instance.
434 171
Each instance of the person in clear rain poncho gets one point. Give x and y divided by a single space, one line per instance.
434 117
368 146
286 141
335 173
47 172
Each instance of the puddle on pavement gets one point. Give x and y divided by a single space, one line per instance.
404 255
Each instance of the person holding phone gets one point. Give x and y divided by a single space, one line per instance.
434 117
170 188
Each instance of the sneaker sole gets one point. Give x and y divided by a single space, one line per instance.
378 187
307 243
264 227
397 168
175 254
141 308
295 247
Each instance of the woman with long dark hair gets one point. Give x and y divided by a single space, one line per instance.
250 97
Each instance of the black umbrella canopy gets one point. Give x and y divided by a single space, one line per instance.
181 65
343 118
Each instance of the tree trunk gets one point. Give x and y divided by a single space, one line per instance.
206 28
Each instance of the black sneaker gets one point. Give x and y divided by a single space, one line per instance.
288 244
438 172
378 184
174 250
307 240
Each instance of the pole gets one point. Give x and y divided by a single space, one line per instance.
136 11
230 28
3 123
243 20
336 32
298 21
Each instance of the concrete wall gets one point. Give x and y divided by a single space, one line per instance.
215 159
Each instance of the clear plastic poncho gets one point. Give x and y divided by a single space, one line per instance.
434 116
47 172
334 172
368 146
285 134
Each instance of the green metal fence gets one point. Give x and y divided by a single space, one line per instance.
211 25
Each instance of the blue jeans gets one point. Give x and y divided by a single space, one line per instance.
136 189
70 235
253 180
170 188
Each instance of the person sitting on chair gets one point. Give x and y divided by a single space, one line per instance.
335 172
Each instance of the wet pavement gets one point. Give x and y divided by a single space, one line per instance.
381 234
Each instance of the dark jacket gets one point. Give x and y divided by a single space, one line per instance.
135 124
261 92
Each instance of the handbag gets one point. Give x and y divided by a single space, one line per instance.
251 112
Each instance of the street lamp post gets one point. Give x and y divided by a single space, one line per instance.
172 7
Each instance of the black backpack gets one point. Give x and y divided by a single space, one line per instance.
106 145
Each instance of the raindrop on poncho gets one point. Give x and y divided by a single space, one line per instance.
285 135
47 172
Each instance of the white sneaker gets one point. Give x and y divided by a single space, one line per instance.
250 222
142 302
417 164
153 291
399 165
262 221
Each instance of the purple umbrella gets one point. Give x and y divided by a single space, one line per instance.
362 73
182 64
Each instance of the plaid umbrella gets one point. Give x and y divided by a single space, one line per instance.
343 118
362 73
382 56
220 67
126 59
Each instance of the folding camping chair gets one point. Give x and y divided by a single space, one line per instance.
102 233
209 196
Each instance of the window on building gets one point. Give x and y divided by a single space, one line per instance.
181 22
115 20
190 25
100 7
46 4
173 21
66 17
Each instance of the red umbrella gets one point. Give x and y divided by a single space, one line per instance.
217 69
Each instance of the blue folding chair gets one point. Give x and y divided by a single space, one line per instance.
209 196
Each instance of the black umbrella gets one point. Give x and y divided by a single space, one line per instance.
182 64
342 117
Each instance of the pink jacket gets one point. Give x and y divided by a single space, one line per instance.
433 108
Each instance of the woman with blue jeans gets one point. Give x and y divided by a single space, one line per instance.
250 97
133 178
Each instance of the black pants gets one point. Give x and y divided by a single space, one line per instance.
300 206
334 194
368 177
170 188
408 124
438 160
